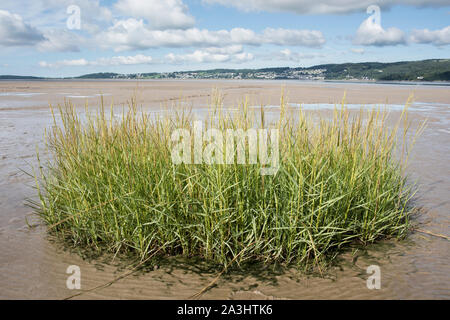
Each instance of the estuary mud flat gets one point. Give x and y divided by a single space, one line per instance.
32 267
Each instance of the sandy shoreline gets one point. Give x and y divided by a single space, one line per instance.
154 93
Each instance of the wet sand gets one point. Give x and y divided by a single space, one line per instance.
38 94
33 267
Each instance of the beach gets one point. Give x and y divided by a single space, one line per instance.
156 92
34 267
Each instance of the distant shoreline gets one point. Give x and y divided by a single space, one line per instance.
423 71
402 83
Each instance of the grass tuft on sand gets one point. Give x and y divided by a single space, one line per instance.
111 185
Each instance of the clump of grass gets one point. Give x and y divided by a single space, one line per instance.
111 186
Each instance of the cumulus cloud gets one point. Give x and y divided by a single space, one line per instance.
437 37
371 33
15 32
228 54
133 34
94 16
321 6
60 40
112 61
160 14
52 13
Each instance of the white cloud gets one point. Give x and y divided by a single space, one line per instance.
212 54
160 14
288 55
321 6
125 60
133 34
371 33
228 54
198 56
307 38
15 32
52 13
226 50
437 37
358 50
49 32
60 40
242 57
65 63
113 61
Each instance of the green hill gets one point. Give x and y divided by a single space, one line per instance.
426 70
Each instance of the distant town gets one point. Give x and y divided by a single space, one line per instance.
272 74
425 70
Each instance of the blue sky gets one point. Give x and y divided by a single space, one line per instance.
42 38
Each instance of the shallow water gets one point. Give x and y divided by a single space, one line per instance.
33 267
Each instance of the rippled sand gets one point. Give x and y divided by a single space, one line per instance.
33 267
